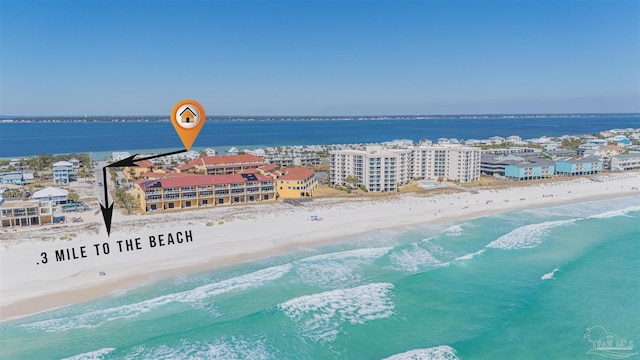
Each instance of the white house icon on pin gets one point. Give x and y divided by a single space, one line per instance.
187 116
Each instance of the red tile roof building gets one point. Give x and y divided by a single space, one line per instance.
193 191
134 172
218 165
297 182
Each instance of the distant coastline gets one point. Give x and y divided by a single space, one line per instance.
56 135
164 118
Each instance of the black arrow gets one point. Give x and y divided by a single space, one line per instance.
107 210
130 161
124 162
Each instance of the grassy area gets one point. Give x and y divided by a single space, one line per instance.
325 191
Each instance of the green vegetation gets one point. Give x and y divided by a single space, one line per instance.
352 180
46 161
73 196
571 143
125 200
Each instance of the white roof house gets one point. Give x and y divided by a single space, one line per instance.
53 194
62 164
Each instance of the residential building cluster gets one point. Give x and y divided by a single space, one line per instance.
379 168
218 180
384 167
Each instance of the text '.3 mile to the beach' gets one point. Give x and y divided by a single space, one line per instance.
115 247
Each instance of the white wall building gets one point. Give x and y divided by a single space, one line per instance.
456 163
377 168
382 169
52 194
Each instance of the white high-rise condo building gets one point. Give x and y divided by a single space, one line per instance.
382 169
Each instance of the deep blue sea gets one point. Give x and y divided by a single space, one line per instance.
535 284
32 138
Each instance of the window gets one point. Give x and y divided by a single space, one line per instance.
187 204
205 202
170 205
220 201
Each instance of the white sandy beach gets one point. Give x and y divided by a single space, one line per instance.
231 235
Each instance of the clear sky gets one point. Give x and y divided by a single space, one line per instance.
319 57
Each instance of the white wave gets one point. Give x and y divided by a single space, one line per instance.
434 353
227 349
320 316
614 213
330 274
469 256
195 296
549 276
339 269
454 230
413 259
527 236
366 253
92 355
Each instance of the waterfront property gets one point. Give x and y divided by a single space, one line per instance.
624 162
532 168
218 165
192 191
585 166
25 213
495 164
63 172
455 163
383 169
53 194
377 168
296 182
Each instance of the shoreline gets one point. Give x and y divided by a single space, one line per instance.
240 235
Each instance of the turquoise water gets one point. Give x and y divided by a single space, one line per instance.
520 285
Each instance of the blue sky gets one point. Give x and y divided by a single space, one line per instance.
319 57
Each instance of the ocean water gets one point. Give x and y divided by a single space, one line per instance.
519 285
32 138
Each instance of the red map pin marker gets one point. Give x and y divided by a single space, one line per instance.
187 118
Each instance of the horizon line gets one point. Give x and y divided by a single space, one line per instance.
358 115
